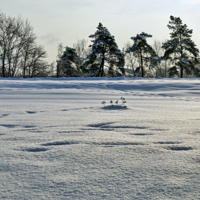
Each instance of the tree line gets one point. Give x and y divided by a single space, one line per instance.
21 56
176 57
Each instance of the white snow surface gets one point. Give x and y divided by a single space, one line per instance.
57 141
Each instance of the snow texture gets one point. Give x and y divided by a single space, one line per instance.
57 141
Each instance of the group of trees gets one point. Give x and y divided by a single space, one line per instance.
20 55
177 56
92 61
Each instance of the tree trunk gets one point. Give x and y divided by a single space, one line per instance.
141 58
24 67
24 73
3 64
181 55
58 70
181 72
3 69
9 69
29 71
101 70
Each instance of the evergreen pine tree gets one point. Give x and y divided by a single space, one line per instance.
143 51
180 49
104 51
68 63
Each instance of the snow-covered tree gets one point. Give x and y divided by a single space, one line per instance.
67 65
144 52
180 49
104 53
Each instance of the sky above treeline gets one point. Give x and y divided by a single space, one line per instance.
67 21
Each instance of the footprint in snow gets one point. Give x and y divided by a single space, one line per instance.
35 149
179 148
31 112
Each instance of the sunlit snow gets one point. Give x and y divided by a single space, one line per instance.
57 141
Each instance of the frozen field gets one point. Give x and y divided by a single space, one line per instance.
57 141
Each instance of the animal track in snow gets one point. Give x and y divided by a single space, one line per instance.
109 125
31 112
29 126
179 148
141 134
159 129
57 143
167 142
9 125
117 143
4 115
35 149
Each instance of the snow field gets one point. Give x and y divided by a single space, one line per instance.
57 141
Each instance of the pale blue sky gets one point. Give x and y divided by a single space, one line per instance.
66 21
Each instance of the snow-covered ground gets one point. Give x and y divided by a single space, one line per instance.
57 141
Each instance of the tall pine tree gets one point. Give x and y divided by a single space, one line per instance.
143 51
104 52
180 49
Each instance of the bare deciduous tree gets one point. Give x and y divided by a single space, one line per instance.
163 66
36 60
130 58
82 49
17 46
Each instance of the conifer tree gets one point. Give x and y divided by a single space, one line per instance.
68 63
180 49
104 53
143 51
